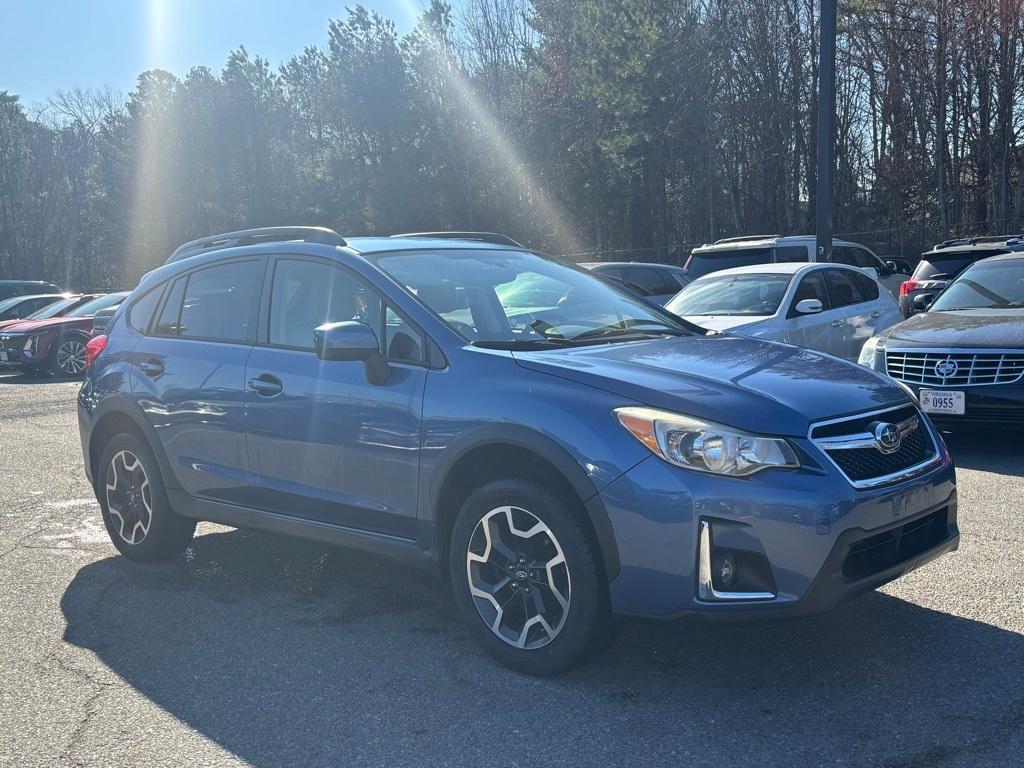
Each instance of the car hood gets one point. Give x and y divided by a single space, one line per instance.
969 328
756 385
35 326
724 322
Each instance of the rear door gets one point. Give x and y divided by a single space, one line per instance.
188 375
852 320
324 443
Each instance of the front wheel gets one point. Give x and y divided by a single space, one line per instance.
527 580
136 513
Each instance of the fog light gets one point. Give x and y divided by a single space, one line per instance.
729 573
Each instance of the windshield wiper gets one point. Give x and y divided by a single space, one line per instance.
521 345
625 329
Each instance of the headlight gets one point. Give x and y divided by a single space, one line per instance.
872 354
703 446
29 344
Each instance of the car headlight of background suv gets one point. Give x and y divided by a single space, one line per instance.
703 446
872 354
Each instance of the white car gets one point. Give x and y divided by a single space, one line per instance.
827 307
774 249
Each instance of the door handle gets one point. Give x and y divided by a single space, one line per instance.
837 323
154 366
266 385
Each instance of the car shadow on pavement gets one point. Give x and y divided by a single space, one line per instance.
287 653
988 450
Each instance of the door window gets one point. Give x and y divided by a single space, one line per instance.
791 253
402 342
214 303
812 286
843 287
307 294
648 280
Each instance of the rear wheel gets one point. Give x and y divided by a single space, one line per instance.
526 579
67 356
134 504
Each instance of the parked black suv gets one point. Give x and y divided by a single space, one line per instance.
947 260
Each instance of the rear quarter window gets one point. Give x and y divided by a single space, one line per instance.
949 263
140 314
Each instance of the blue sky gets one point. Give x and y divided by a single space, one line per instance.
47 45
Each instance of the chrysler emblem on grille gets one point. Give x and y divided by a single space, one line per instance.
946 368
888 437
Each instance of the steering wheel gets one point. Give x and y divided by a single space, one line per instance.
465 329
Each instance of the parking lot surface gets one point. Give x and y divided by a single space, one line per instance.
263 651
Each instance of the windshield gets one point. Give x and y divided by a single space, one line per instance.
510 299
996 285
751 294
949 263
101 302
10 303
700 264
52 310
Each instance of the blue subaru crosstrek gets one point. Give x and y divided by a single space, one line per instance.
560 450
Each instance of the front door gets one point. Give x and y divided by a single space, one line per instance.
324 443
819 331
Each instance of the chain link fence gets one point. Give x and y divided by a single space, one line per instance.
907 241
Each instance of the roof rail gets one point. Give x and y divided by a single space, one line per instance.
744 237
255 236
482 237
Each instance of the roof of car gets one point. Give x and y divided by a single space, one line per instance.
781 268
368 245
763 241
595 264
973 248
1012 256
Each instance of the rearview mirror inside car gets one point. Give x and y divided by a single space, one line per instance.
809 306
352 340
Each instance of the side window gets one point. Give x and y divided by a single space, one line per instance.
307 294
791 253
613 272
402 341
141 312
868 287
646 279
813 287
167 325
842 255
843 288
218 302
865 258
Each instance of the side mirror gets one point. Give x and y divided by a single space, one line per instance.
922 301
891 268
352 340
809 306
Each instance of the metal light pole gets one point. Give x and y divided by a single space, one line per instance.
826 128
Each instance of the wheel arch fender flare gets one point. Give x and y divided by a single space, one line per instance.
547 449
111 416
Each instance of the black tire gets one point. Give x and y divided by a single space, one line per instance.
60 360
167 534
587 622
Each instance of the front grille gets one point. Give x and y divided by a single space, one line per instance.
943 369
857 451
868 463
875 554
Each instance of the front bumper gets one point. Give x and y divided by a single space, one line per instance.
824 540
13 354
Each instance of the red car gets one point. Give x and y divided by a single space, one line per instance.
53 343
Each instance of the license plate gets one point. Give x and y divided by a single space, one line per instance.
3 355
942 401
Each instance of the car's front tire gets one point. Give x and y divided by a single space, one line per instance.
526 578
136 513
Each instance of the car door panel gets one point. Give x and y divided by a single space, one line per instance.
192 390
329 445
814 331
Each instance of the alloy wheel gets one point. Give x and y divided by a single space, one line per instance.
129 498
71 357
518 577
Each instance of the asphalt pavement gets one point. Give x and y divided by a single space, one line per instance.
250 650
